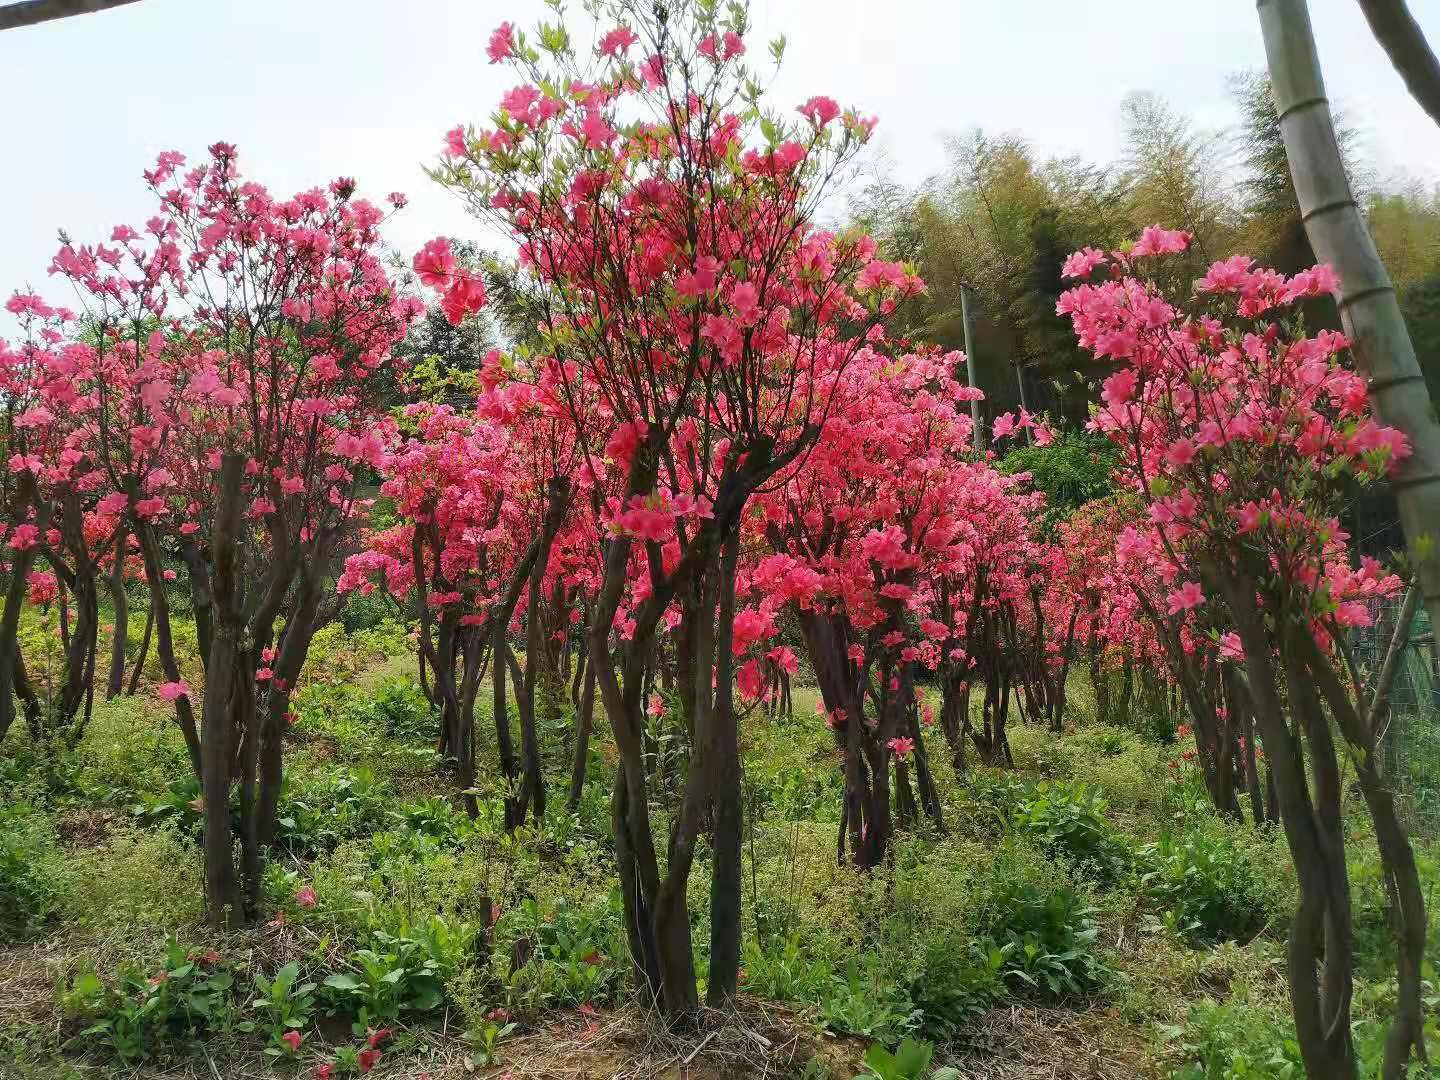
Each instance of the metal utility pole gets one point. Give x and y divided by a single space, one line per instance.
1024 405
979 434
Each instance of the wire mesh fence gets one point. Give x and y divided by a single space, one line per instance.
1410 739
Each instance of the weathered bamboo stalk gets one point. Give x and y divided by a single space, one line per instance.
1369 310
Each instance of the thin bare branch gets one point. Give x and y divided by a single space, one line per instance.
31 12
1404 42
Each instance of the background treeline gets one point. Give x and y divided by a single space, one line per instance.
1002 217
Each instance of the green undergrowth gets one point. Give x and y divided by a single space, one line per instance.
1093 878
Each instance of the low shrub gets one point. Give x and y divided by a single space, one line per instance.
131 745
187 996
1043 943
339 654
945 900
1374 936
1068 819
367 613
860 1000
400 710
855 997
1206 883
909 1061
1124 765
435 819
1107 742
138 879
31 886
178 804
1234 1042
389 726
784 971
561 953
400 973
320 811
970 924
957 989
285 1003
801 793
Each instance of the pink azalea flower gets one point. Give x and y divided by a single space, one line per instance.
751 680
819 110
901 745
1187 596
435 262
171 691
502 43
1082 262
617 41
1157 241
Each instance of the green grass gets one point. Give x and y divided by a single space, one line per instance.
1172 939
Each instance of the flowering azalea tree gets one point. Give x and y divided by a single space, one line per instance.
471 490
53 511
984 609
1239 431
545 454
1115 636
228 388
665 222
1136 614
861 534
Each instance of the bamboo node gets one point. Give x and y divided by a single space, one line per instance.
1304 103
1324 208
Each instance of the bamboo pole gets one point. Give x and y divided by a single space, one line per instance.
1404 42
1369 310
979 425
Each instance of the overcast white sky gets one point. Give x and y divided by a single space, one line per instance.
313 89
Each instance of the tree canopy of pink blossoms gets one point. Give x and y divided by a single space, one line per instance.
695 319
219 397
1239 432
